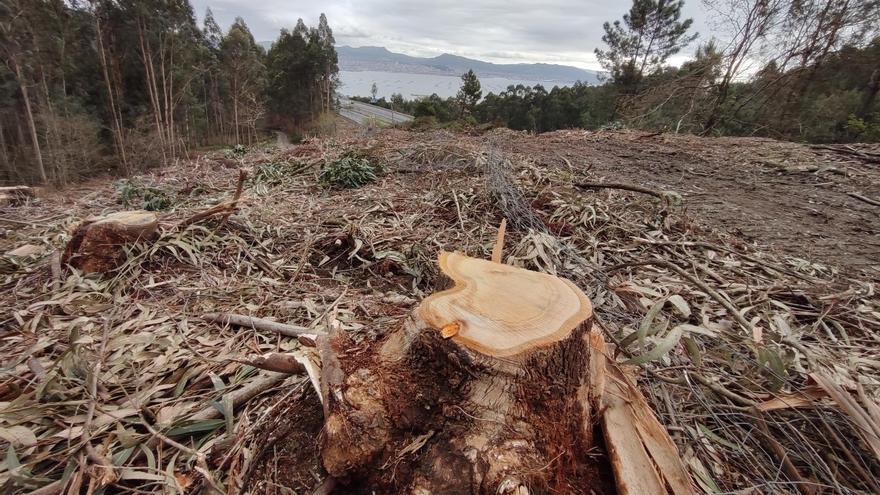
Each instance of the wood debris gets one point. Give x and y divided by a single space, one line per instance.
725 309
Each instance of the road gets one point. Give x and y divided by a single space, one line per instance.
362 113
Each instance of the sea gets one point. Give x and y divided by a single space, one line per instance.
358 83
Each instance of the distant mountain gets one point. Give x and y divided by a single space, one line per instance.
376 58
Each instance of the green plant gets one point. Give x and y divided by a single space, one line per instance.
274 172
132 192
155 199
236 151
349 171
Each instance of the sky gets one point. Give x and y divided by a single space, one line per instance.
501 31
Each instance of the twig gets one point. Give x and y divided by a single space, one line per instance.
258 324
242 176
97 457
226 207
715 247
803 485
699 283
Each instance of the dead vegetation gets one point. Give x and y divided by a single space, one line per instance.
761 363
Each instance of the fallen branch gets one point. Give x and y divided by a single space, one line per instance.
260 324
866 199
225 208
715 247
805 486
734 312
255 387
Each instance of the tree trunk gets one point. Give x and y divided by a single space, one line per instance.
118 137
152 88
483 390
235 108
870 94
32 126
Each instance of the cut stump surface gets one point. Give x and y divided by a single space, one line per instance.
97 244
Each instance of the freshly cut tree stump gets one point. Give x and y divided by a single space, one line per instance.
97 245
483 390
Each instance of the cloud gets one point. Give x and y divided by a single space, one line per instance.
553 31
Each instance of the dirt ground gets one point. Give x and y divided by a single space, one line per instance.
787 197
773 228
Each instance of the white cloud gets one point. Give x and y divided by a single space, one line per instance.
507 31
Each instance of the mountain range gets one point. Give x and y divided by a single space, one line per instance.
376 58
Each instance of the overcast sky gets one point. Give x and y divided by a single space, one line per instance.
501 31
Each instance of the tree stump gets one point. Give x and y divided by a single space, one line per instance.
15 195
97 244
483 390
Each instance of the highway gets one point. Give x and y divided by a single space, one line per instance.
362 113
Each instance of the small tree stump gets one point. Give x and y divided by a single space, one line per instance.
97 245
483 390
14 195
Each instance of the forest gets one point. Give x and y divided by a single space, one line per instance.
801 70
120 86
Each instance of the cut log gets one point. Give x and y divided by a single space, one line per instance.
480 391
97 245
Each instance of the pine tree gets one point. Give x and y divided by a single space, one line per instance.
650 33
470 93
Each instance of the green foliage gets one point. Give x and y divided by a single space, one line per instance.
133 193
349 171
302 67
236 152
863 130
650 33
470 93
273 173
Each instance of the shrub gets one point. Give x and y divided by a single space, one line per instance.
349 171
273 173
134 193
235 152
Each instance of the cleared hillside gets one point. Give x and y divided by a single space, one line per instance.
736 276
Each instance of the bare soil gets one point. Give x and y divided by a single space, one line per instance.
782 196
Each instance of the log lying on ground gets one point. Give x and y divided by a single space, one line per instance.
480 391
97 245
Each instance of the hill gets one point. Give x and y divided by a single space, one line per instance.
378 58
381 59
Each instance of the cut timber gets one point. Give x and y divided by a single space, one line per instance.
644 458
14 195
97 245
501 310
477 392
